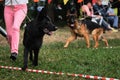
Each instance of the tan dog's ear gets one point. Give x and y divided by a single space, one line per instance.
75 15
76 22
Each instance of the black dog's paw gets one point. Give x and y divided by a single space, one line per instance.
35 64
24 68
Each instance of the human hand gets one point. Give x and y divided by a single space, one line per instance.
98 16
110 14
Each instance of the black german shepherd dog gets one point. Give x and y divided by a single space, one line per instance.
33 36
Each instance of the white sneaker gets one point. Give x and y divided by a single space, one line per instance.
114 30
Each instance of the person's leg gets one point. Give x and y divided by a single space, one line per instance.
114 21
19 16
107 26
110 20
8 16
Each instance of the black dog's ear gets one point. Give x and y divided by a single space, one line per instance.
41 14
44 11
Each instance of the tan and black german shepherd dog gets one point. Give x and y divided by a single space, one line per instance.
84 28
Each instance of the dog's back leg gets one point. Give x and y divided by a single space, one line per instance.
105 41
101 36
25 58
97 35
35 61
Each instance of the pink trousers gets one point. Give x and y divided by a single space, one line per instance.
14 16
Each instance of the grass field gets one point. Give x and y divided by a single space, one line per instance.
74 59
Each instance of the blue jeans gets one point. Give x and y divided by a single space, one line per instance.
113 20
104 24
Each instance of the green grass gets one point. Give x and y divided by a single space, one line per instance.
74 59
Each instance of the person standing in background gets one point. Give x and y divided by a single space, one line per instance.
14 13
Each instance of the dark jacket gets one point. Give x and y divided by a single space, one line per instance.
115 4
100 10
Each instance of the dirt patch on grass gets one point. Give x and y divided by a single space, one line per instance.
112 35
3 40
60 36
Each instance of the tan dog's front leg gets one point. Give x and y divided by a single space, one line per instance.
86 36
70 39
